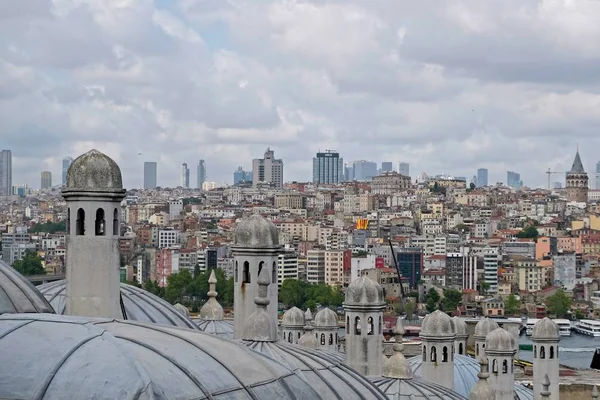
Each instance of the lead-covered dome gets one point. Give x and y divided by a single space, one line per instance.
256 231
460 327
53 356
94 171
483 328
437 324
326 318
364 292
500 341
545 329
220 328
18 295
294 317
413 389
139 304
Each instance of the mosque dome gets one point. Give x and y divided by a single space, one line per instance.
220 328
437 324
294 317
326 318
483 328
364 292
18 295
182 309
139 304
328 376
413 389
460 327
94 171
256 231
111 359
545 329
500 340
466 370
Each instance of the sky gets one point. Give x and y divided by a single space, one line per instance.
448 86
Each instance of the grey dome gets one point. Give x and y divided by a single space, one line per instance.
545 329
325 374
465 376
500 341
94 171
182 309
18 295
414 388
294 317
256 231
437 324
364 292
139 304
460 327
326 318
221 328
483 328
53 356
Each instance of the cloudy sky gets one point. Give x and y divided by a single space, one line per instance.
446 85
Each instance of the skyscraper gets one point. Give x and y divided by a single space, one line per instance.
482 177
200 174
328 168
241 176
184 179
150 173
598 175
268 169
404 169
66 163
513 179
387 166
5 173
46 180
364 170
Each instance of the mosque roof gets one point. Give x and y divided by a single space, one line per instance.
139 304
329 377
414 388
326 318
221 328
465 376
545 329
294 317
256 231
364 292
18 295
94 171
48 356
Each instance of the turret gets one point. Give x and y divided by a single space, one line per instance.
500 349
460 342
260 325
437 335
93 192
292 325
326 329
482 329
212 310
545 337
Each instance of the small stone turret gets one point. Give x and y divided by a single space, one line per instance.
437 335
482 389
397 366
545 337
308 339
292 325
261 326
212 310
460 342
482 329
326 328
500 349
183 310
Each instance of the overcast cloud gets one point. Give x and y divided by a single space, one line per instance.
446 85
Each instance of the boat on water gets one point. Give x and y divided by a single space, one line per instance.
588 327
564 326
529 325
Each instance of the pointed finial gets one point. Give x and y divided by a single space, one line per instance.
308 339
396 366
212 310
260 327
595 393
482 389
545 393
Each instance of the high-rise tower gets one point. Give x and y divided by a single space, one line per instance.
46 180
150 174
5 173
201 174
577 181
184 178
268 169
328 168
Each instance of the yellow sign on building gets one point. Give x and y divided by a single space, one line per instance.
362 224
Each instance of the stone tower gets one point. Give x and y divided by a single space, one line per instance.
482 329
292 325
256 246
577 182
460 341
500 348
326 329
545 337
437 335
93 193
364 305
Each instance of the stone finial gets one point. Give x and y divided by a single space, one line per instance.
545 393
308 339
212 310
260 327
595 393
396 366
482 389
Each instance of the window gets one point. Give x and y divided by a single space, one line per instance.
460 348
433 355
246 272
534 351
322 339
551 352
424 353
370 327
477 349
236 272
380 325
330 339
298 335
115 223
274 273
495 366
290 338
505 367
80 224
357 327
542 352
445 354
347 325
69 221
260 267
100 226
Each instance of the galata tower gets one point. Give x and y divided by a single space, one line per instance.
577 182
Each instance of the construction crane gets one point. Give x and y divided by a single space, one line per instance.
550 173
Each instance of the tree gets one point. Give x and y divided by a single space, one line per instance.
431 300
153 287
511 307
529 232
178 285
49 227
579 314
559 303
472 186
30 264
293 293
483 287
462 228
451 300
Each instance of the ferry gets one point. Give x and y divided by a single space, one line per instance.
564 326
529 325
588 327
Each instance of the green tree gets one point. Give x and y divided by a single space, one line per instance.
432 299
529 232
178 285
462 228
559 303
49 227
579 314
409 309
483 288
293 293
511 307
153 287
30 264
451 300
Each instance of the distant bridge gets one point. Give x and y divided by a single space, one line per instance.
45 278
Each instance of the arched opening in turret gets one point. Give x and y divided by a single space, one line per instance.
370 325
534 351
260 266
246 272
542 352
424 353
357 327
330 339
347 325
298 335
445 354
477 349
100 225
80 223
551 352
274 273
460 348
236 272
495 366
290 338
69 221
115 223
433 355
380 325
505 367
322 339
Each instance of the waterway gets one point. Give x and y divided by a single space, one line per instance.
575 351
